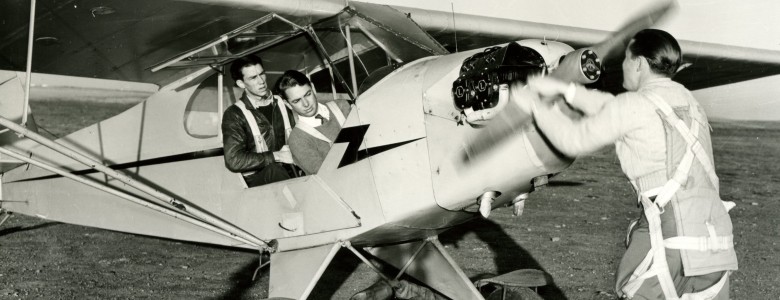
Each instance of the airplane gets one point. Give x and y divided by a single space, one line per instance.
398 173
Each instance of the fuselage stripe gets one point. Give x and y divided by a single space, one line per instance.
147 162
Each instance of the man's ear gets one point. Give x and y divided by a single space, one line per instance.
639 61
642 63
240 83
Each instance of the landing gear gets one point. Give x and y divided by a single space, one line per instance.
428 262
261 264
4 214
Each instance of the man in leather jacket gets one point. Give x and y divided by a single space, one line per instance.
258 150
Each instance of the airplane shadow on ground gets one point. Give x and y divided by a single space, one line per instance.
337 273
242 281
509 256
556 183
15 229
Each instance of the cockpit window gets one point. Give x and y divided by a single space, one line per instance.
201 116
380 38
376 38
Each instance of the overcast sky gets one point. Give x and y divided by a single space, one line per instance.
746 23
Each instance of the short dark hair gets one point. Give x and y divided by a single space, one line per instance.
238 64
660 49
290 79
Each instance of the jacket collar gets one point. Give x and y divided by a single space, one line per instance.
244 98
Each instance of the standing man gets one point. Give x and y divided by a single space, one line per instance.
318 125
255 129
683 242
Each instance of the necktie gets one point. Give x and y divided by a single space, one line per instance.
321 118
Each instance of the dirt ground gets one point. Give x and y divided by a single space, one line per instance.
573 230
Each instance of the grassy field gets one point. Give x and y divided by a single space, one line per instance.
573 229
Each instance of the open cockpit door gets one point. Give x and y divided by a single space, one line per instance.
255 36
355 48
367 41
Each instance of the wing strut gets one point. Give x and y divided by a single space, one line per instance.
351 61
325 55
30 39
122 194
162 202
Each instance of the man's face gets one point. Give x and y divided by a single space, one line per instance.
253 81
302 100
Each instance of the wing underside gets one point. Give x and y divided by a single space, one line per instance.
122 40
712 64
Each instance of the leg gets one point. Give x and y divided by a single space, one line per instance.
651 288
636 252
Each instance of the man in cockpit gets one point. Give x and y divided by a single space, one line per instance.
318 125
256 128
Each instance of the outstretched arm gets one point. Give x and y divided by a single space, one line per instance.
588 134
589 102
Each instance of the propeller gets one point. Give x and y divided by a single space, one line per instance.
581 66
584 65
618 41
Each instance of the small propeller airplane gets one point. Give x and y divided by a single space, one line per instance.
413 159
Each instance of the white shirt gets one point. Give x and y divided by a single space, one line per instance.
313 121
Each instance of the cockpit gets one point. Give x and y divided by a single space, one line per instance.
343 56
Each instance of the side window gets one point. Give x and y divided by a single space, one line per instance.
201 116
366 63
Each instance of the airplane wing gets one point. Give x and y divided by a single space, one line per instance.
114 39
123 40
722 64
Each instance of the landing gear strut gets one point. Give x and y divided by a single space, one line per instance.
5 215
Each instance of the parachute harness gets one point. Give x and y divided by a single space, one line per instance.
654 264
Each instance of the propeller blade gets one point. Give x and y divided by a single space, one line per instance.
511 119
619 40
582 65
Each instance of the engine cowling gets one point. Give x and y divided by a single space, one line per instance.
477 87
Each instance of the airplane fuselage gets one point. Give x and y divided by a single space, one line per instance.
394 174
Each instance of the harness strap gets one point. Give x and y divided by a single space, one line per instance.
655 264
334 108
710 292
285 118
260 145
688 135
678 179
699 150
641 273
717 243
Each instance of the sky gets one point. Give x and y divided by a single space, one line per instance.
746 23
